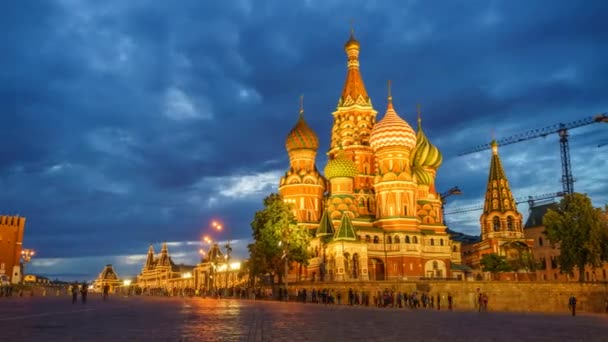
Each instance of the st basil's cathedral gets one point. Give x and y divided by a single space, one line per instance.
374 213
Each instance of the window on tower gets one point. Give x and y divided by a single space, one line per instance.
496 223
509 223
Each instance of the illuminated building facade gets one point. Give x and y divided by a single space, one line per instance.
546 253
375 213
107 277
162 273
501 224
11 241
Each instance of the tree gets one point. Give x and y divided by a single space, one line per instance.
271 225
581 232
494 263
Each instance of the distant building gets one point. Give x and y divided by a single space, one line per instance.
161 273
501 224
546 253
11 240
107 277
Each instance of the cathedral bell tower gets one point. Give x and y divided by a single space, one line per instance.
500 218
354 119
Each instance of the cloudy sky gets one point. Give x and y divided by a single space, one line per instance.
125 123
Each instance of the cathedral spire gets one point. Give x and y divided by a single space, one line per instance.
499 197
354 92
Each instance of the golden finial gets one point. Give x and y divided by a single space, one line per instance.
301 104
494 143
352 27
390 96
418 110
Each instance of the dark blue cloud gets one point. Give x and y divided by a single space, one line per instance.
125 124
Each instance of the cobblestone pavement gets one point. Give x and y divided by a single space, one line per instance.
197 319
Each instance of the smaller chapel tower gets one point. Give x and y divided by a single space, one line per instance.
302 186
500 218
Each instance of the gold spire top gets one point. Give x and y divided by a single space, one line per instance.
302 105
390 96
494 145
354 92
419 116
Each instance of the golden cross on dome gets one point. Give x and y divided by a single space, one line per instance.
418 110
301 104
352 27
390 96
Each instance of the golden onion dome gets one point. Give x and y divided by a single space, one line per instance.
426 154
392 131
421 176
340 167
351 42
301 136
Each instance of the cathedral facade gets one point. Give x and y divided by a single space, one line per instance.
375 213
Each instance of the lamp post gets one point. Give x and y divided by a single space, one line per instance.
228 251
26 256
284 257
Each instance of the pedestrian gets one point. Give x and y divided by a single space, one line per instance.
83 293
438 302
106 291
450 301
74 290
572 304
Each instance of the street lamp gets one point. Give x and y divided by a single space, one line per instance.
284 257
26 256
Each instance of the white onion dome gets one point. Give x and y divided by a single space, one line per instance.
392 131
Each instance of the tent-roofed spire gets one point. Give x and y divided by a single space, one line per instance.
499 197
354 92
326 227
346 230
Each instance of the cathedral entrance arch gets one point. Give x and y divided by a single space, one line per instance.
435 269
376 269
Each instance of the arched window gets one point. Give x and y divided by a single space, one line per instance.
435 265
368 238
496 223
389 240
397 239
415 240
540 241
376 240
441 242
454 248
407 239
510 223
432 242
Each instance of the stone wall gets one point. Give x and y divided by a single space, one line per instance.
503 296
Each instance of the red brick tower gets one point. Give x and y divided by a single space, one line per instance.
11 240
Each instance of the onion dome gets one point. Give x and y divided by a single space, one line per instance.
351 43
301 135
426 155
341 167
392 130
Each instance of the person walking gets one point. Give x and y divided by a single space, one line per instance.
450 301
106 291
83 293
572 304
74 293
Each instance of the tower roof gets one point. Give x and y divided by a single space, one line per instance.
340 166
301 135
346 230
354 92
426 155
499 197
326 227
392 130
108 273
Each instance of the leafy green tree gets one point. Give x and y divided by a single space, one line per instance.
524 261
494 263
276 236
581 232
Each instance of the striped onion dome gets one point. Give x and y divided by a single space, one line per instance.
392 131
427 154
301 136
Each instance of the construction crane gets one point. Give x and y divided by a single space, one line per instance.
455 190
530 199
562 130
